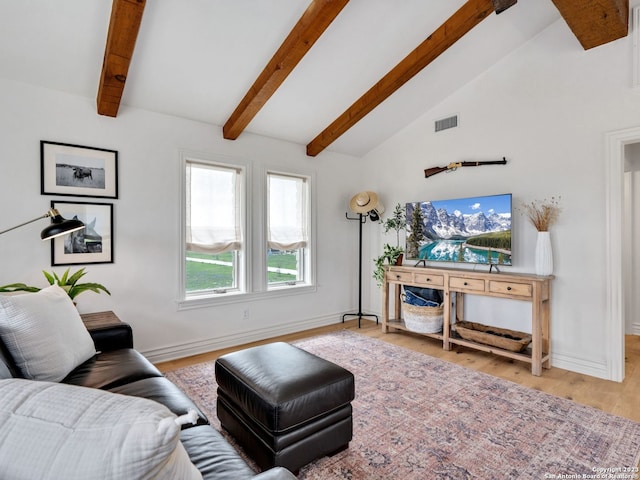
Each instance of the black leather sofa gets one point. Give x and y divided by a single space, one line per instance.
119 368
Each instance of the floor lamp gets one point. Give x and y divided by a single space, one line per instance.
365 204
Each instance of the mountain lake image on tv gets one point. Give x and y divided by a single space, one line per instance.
469 230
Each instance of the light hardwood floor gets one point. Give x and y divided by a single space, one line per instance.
617 398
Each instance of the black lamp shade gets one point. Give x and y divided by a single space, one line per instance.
60 226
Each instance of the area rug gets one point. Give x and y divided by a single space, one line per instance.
417 417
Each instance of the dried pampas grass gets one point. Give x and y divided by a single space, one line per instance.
542 214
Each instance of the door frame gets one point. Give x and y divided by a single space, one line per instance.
614 269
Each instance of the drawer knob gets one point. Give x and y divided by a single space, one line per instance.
397 277
465 284
508 288
428 279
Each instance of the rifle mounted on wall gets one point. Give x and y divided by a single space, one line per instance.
429 172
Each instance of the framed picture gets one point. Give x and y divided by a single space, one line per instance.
94 243
78 171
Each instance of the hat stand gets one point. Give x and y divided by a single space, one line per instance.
361 218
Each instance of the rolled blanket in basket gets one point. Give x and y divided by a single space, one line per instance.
422 296
413 299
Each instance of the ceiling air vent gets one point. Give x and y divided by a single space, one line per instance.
445 123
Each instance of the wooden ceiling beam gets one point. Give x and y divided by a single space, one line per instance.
595 22
126 16
454 28
315 20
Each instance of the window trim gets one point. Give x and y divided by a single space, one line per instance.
231 298
244 197
239 187
307 268
253 271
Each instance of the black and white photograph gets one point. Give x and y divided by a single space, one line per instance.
92 244
79 171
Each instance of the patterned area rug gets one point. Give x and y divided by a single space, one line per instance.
417 417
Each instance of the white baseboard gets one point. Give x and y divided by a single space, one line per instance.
580 365
173 352
635 329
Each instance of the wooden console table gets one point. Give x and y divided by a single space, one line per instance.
457 282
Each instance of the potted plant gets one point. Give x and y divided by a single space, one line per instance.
391 255
69 283
397 221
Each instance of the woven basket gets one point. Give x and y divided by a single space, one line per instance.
422 319
494 336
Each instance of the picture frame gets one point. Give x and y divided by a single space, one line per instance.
93 244
76 170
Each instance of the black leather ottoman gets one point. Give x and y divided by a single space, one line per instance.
284 406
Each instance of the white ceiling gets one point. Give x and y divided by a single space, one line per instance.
197 58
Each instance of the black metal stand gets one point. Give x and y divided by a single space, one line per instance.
361 219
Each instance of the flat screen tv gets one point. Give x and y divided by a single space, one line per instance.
469 230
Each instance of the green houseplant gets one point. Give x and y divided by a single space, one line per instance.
397 221
390 255
69 283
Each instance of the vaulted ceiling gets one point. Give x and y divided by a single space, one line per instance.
337 74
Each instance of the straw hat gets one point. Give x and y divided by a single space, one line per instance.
364 202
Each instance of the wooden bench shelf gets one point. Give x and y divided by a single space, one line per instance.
400 325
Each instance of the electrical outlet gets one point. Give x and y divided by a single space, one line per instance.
245 314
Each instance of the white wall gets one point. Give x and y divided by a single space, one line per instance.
546 108
144 277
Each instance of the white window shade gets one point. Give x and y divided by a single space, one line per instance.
213 213
287 212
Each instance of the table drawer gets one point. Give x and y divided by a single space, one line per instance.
461 283
511 288
429 280
399 277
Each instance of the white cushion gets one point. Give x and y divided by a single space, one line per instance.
44 333
52 431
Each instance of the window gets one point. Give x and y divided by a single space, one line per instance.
287 229
213 228
247 231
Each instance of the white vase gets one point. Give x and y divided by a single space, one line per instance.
544 254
